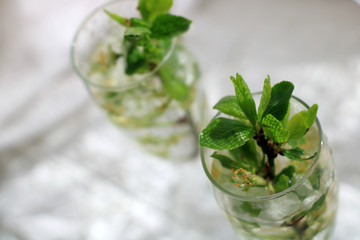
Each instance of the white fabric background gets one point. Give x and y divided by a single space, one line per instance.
64 171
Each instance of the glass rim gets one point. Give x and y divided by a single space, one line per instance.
276 195
142 78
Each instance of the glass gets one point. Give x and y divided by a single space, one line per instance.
306 210
139 104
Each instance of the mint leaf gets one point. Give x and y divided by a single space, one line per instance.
123 21
247 155
265 97
225 134
159 49
236 154
311 115
315 178
282 184
282 181
296 142
318 203
173 77
150 9
226 161
274 129
135 61
301 122
279 100
245 99
174 84
288 171
297 154
286 118
137 22
230 106
253 211
167 26
137 35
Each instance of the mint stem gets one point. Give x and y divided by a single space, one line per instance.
267 147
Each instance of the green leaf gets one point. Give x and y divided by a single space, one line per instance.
279 100
282 181
274 129
311 115
297 142
297 154
245 99
294 153
173 77
150 9
289 171
315 178
247 155
173 84
111 94
236 154
301 122
318 203
135 61
286 118
137 35
253 211
159 49
265 97
230 106
226 161
250 153
225 134
167 26
137 22
282 184
123 21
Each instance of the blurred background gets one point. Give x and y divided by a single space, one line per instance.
67 173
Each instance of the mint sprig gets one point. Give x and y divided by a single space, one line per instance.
274 129
148 39
230 106
301 122
225 134
245 99
270 127
279 100
167 26
265 98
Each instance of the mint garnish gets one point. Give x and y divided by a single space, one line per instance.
245 99
279 100
225 134
150 9
230 106
148 39
168 26
123 21
274 129
301 122
269 128
265 97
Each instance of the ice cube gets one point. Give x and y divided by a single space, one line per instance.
280 209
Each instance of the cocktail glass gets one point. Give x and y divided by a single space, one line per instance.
139 104
306 210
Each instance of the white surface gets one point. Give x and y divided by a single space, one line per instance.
64 171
